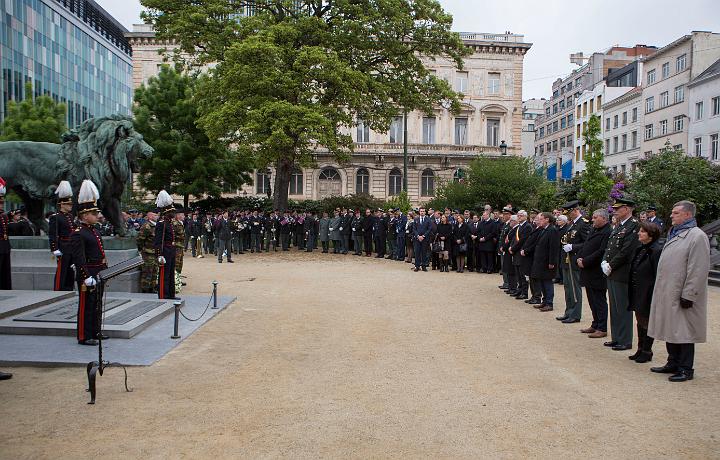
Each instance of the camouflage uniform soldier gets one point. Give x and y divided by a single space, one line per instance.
179 228
149 271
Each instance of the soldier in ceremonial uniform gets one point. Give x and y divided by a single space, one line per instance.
164 244
88 255
5 269
616 266
356 226
146 248
60 228
652 217
573 238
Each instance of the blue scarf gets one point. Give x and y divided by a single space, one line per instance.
690 223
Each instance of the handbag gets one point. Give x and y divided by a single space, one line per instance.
436 245
462 247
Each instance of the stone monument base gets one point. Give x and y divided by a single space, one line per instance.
33 265
54 313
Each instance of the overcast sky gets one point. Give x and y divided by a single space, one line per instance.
556 28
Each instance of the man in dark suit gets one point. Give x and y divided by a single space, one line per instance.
545 257
589 257
522 268
527 252
346 229
367 227
502 237
380 234
223 235
507 259
421 234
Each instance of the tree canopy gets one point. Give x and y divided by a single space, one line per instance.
671 176
294 76
38 119
497 182
184 162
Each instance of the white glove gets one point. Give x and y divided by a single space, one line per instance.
161 260
331 229
57 253
567 248
606 268
90 281
341 229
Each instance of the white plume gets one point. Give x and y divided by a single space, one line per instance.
163 199
64 190
88 192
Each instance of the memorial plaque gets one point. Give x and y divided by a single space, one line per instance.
65 312
131 313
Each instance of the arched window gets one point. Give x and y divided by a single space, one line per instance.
296 182
395 185
459 175
427 183
262 182
362 182
329 183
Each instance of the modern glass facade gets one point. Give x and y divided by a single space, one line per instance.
71 50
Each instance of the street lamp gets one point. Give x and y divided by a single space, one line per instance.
503 148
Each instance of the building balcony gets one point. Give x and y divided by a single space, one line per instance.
429 149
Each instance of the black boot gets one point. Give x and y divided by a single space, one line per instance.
646 353
641 341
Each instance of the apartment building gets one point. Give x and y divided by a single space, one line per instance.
704 124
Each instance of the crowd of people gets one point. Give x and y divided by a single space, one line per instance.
615 257
626 265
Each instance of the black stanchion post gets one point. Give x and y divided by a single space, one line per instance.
176 332
215 306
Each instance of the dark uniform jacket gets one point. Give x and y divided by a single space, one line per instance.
60 228
87 251
4 240
545 252
517 238
347 225
621 249
356 226
592 252
576 233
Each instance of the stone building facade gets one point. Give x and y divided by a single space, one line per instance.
439 146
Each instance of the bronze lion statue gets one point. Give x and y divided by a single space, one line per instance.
105 150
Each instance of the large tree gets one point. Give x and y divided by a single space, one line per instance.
671 176
294 76
595 185
184 162
38 119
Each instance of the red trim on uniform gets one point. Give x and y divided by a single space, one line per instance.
57 274
81 316
161 287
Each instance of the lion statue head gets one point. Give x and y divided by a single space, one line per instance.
107 151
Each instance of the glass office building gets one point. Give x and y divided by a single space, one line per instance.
70 50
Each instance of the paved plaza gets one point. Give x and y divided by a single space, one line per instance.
331 356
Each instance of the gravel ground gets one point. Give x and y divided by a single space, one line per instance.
339 356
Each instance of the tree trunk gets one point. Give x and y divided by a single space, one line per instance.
283 169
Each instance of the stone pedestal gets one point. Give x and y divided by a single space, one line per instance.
33 265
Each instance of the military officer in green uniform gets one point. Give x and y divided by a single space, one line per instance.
179 228
149 270
616 266
571 242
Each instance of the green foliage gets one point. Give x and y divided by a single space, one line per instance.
296 75
40 119
184 162
401 202
594 183
671 176
497 181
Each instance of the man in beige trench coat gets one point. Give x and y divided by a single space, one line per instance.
678 313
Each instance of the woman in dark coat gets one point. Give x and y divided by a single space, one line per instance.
461 238
643 270
444 237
